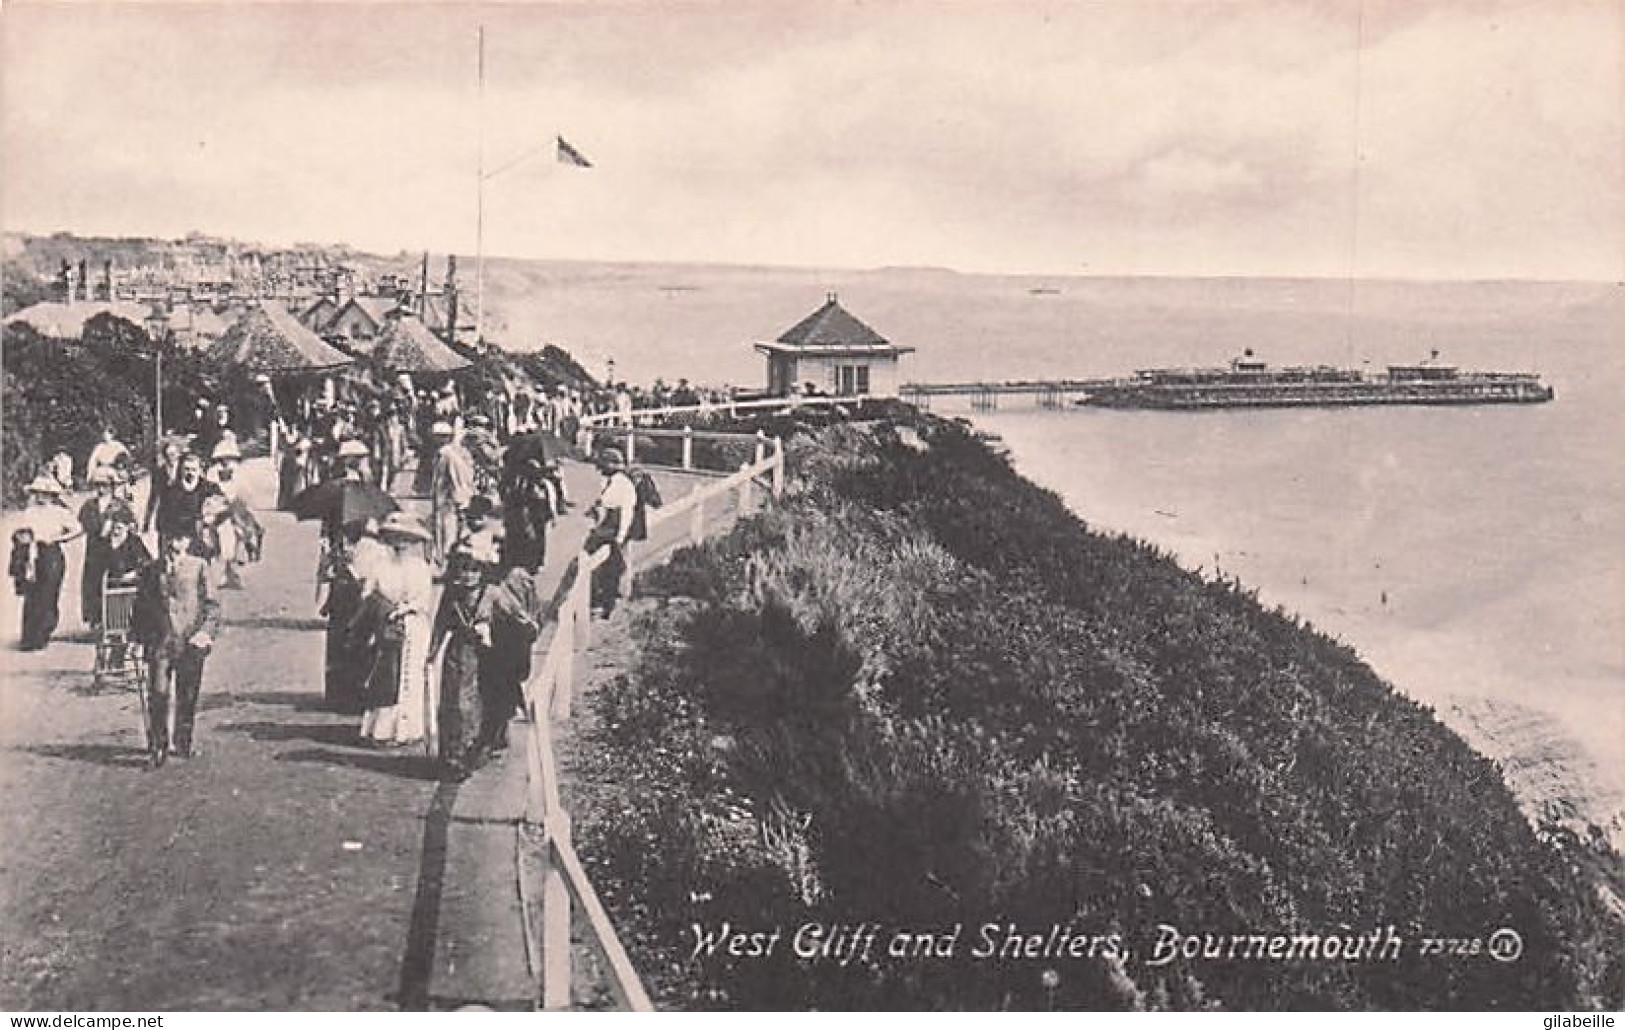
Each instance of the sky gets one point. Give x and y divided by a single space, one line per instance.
1375 138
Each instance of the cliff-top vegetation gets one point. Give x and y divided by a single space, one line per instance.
920 696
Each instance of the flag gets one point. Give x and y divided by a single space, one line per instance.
569 155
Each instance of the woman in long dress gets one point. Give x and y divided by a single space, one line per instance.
459 638
394 624
347 556
96 517
37 563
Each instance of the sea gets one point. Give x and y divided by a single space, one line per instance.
1474 556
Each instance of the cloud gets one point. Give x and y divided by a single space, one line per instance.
1203 136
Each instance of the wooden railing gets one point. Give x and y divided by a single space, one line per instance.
549 692
599 420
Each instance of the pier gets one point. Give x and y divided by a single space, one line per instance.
985 396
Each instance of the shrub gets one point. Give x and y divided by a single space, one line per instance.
920 693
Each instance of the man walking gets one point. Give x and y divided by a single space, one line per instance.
175 620
181 509
616 511
452 489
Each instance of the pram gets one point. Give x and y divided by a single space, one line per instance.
119 658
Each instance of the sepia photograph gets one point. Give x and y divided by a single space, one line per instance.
963 506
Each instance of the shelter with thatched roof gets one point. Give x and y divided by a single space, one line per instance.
834 352
66 320
405 344
269 339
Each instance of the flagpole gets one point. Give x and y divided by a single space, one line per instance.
479 212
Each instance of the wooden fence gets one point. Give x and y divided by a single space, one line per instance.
564 886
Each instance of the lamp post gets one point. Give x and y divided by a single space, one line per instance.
157 331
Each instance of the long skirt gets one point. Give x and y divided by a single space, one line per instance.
423 478
445 523
397 685
90 582
42 596
461 707
342 683
503 671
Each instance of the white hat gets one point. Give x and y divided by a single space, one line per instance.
226 449
441 429
403 525
352 449
43 484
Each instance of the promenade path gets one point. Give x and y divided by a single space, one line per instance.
285 868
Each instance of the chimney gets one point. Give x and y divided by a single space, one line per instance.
423 288
451 298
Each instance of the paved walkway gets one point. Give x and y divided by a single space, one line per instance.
283 869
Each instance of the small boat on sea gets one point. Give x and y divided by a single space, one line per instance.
1250 383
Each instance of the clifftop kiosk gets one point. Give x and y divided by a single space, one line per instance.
834 353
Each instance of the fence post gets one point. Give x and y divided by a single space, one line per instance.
778 467
555 925
565 671
744 489
586 441
761 445
631 445
688 447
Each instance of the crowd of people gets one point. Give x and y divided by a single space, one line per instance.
429 627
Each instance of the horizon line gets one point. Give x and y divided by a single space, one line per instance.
900 268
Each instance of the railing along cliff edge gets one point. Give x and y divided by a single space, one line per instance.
548 695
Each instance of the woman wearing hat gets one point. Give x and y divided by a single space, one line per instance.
126 554
37 563
460 637
95 517
393 627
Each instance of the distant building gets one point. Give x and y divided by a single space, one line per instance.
361 318
834 353
319 314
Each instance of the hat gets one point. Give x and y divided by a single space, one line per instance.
611 460
352 449
400 524
440 429
479 419
43 484
224 450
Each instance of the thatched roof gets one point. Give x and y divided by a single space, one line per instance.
66 321
269 339
405 344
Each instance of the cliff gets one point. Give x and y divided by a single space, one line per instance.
918 738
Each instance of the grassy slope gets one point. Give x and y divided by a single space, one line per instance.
920 693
